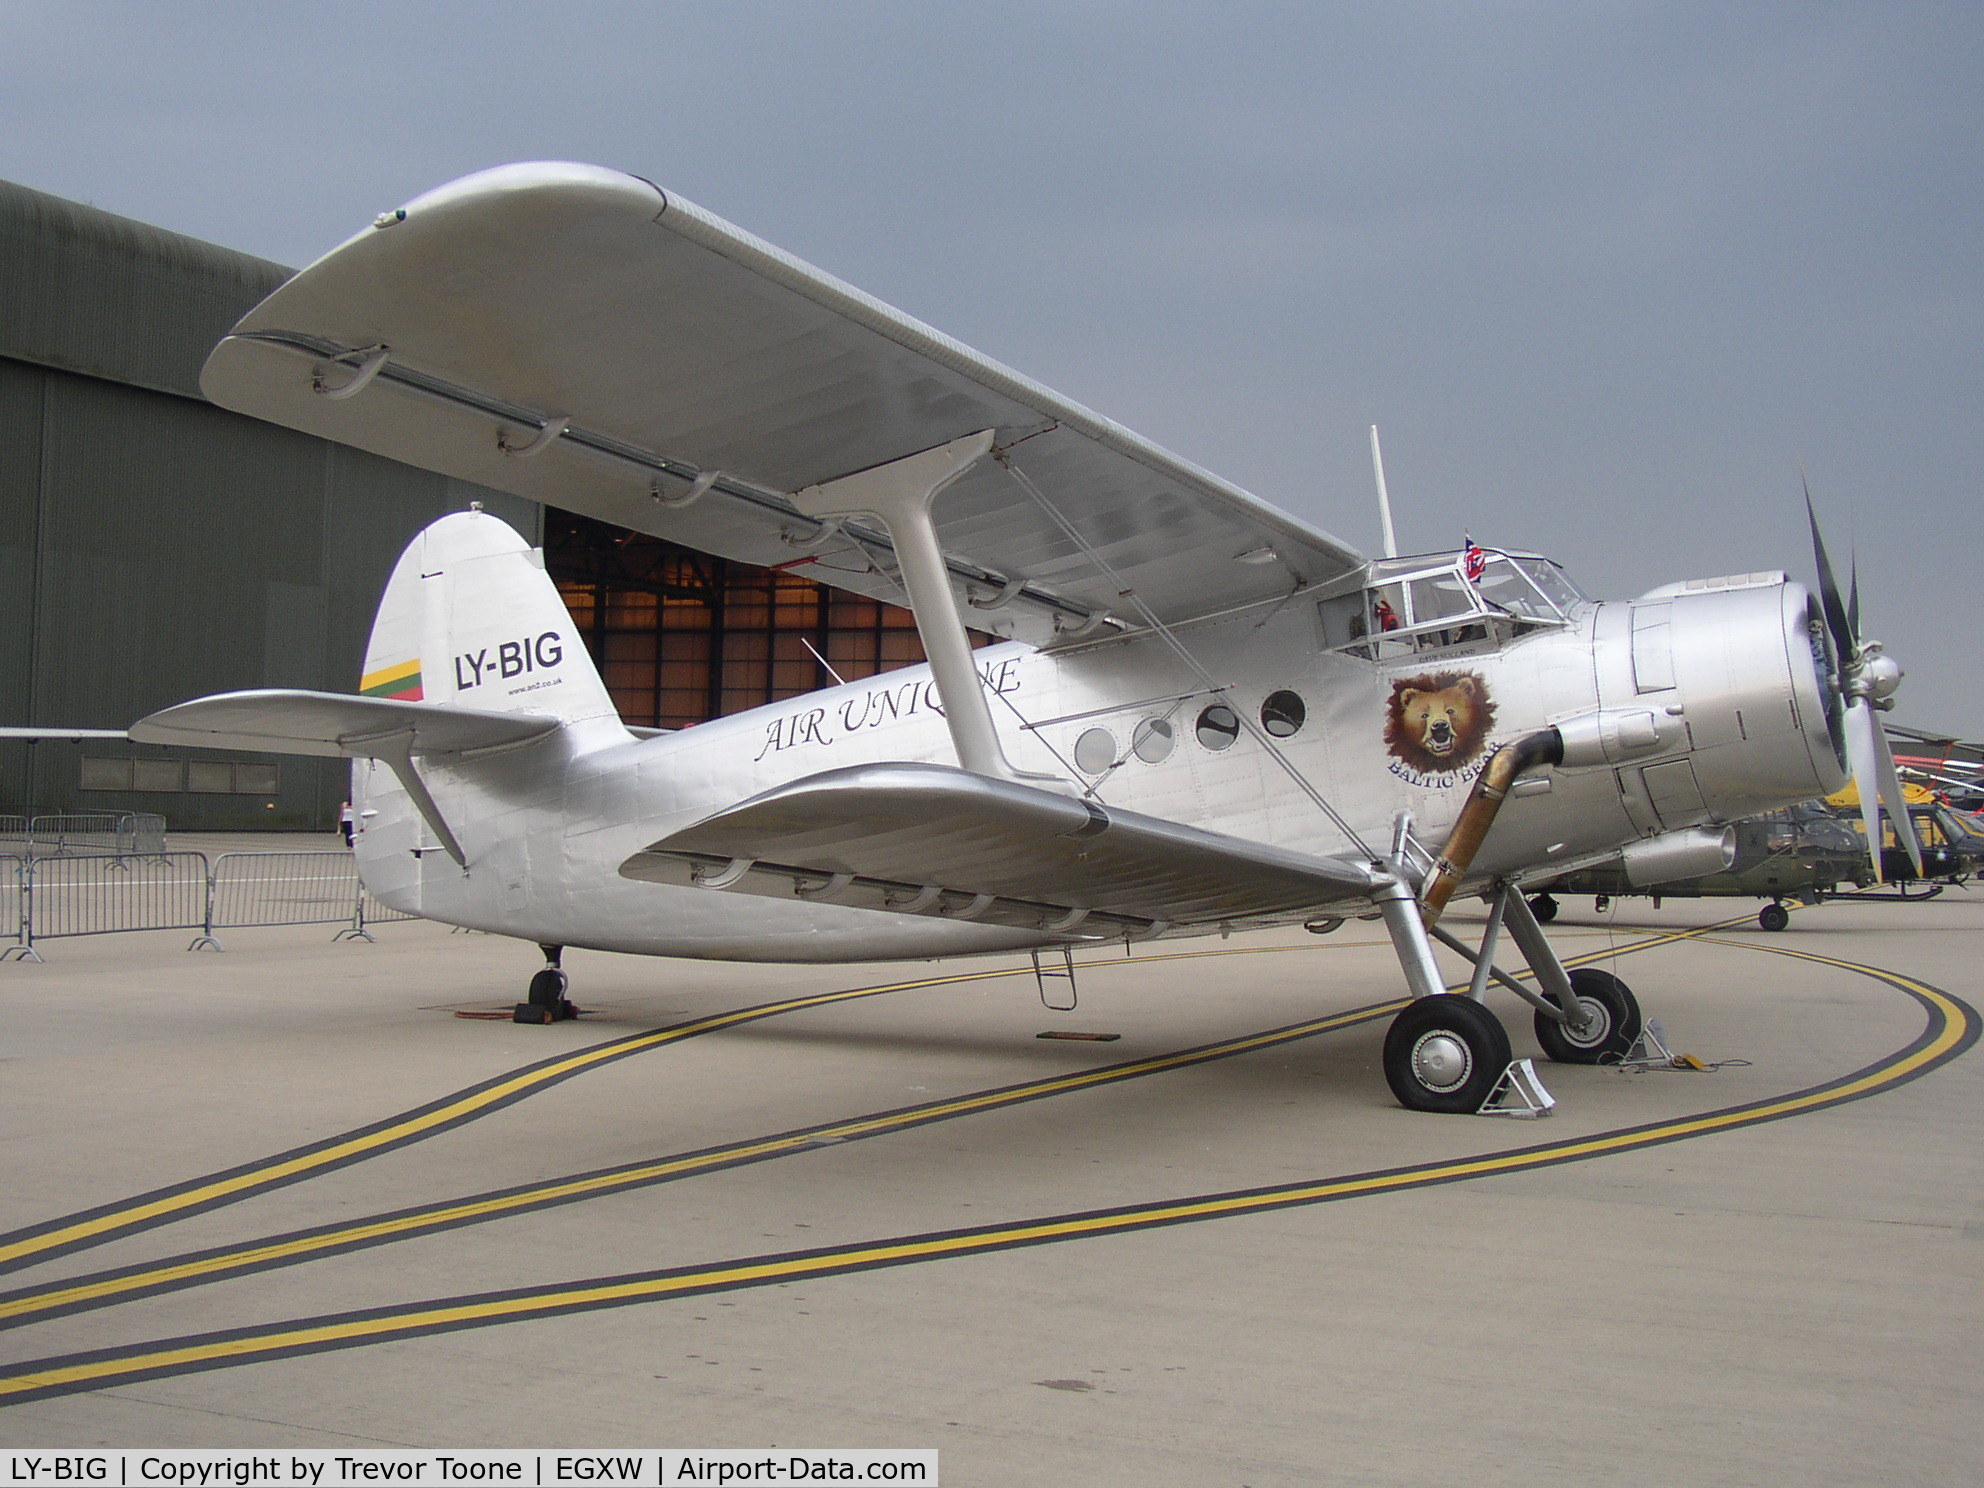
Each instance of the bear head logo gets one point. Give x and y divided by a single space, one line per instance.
1439 721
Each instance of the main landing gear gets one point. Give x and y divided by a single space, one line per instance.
1447 1052
547 1002
1773 916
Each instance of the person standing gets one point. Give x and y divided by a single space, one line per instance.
347 822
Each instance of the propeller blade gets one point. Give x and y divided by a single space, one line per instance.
1861 730
1891 797
1853 593
1844 640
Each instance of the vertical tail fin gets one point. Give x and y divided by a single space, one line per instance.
470 617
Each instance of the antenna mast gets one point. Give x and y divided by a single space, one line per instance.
1384 499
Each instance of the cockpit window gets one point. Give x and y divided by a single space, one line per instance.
1411 606
1505 588
1440 596
1549 578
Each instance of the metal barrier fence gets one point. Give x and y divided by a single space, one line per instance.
102 893
282 888
45 898
127 832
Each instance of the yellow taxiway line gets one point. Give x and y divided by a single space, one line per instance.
1952 1026
101 1289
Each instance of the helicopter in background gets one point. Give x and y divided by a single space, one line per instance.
1943 762
1807 852
1803 852
1952 849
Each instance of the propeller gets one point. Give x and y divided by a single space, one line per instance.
1868 677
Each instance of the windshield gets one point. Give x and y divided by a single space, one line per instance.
1505 588
1549 578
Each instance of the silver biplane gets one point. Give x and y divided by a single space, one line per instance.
1202 714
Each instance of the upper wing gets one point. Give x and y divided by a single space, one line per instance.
334 724
929 839
620 343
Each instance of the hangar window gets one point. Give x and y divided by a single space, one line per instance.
211 777
106 774
202 777
157 775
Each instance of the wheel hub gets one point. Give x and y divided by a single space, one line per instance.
1596 1028
1441 1061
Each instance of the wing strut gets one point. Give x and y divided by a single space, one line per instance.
396 750
900 493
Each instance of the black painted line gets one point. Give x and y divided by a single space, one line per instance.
1951 1027
106 1288
84 1229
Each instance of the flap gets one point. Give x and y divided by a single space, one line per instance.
335 724
930 839
572 335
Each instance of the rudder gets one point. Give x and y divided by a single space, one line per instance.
470 617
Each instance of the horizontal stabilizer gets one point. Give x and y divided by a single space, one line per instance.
929 839
337 725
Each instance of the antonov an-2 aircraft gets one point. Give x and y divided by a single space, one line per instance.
1203 715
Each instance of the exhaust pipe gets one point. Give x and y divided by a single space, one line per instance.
1484 803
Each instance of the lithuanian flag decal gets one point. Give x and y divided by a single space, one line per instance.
400 683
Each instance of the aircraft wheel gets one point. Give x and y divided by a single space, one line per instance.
1544 907
1445 1054
1773 916
1612 1026
547 999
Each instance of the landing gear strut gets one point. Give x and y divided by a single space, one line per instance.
547 1002
1448 1052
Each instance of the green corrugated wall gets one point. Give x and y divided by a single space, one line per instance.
154 547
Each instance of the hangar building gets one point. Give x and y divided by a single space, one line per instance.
154 547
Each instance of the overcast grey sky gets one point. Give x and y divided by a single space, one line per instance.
1605 274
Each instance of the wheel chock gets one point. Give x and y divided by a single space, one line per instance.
1519 1095
1650 1051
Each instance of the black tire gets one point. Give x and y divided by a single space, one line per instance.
1445 1054
1544 907
1773 917
1614 1031
547 988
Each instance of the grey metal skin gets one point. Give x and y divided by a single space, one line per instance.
555 831
1803 852
576 336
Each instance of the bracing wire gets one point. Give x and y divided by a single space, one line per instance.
1254 731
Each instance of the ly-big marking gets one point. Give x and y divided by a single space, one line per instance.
513 659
